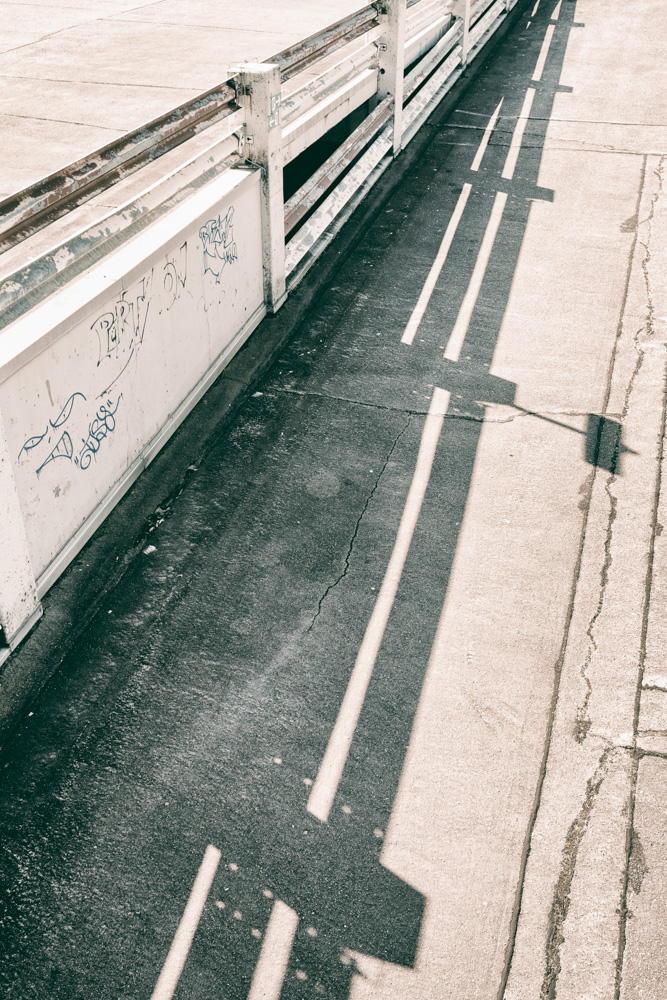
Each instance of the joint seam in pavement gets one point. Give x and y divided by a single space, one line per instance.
565 121
64 121
95 83
561 146
472 418
348 554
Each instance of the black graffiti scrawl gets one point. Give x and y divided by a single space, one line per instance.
120 330
217 236
95 430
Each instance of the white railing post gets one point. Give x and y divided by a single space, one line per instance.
461 9
19 603
262 145
392 61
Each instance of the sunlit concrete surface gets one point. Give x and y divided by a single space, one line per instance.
376 709
75 76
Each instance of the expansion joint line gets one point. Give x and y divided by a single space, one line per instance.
348 555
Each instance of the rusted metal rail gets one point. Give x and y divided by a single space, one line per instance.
297 58
30 209
53 196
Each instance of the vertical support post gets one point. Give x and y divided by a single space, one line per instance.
392 62
19 604
461 9
262 143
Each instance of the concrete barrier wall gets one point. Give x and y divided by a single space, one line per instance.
94 380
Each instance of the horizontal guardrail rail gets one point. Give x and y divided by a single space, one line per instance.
176 278
20 213
301 56
427 22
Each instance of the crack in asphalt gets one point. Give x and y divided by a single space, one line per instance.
348 555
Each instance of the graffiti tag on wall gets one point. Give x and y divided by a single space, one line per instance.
76 434
95 431
217 237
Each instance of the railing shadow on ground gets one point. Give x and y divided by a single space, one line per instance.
338 882
332 874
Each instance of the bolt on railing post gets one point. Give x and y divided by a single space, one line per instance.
19 603
262 145
461 9
392 61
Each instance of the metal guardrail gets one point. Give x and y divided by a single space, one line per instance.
29 209
40 203
434 44
440 31
444 52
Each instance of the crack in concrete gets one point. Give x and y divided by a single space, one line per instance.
552 946
624 913
562 893
660 173
583 721
348 554
638 867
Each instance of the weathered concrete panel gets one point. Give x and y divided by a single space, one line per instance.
91 377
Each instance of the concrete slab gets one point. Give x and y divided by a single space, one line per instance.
653 711
41 19
100 8
148 55
298 17
593 731
645 960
